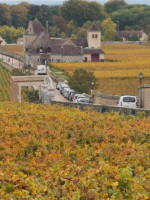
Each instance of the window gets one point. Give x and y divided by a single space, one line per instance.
41 50
48 50
128 99
92 35
95 35
85 59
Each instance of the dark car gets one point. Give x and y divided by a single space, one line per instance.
71 95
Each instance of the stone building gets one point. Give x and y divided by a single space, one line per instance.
39 47
126 35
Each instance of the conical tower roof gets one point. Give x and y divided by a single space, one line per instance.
94 27
38 27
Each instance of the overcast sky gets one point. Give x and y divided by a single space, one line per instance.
55 2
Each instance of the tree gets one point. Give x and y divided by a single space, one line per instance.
11 34
70 28
81 80
108 29
134 37
59 22
113 5
19 15
81 11
5 15
43 13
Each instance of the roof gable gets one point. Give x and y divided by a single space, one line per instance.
93 27
38 27
69 42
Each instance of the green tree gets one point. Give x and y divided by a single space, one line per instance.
11 34
5 15
133 16
81 11
43 13
108 29
134 37
81 80
71 29
113 5
19 14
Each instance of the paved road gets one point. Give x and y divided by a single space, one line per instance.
58 96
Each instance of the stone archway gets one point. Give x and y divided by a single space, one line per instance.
17 82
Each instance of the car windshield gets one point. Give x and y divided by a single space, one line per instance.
72 93
129 99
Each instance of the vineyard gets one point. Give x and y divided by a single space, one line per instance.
13 48
4 84
119 73
80 155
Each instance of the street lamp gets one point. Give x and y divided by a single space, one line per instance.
92 88
12 60
140 77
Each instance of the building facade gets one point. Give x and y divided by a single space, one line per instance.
39 47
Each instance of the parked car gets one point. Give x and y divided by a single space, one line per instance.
83 100
71 95
62 86
127 101
65 92
77 96
58 85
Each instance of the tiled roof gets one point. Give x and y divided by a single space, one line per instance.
57 41
69 50
80 42
41 41
38 27
127 34
93 27
92 51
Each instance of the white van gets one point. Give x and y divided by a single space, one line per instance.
127 101
41 69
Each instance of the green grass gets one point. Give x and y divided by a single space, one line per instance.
59 73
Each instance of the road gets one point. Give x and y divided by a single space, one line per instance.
58 96
18 65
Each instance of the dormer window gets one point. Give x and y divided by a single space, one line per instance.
48 50
41 50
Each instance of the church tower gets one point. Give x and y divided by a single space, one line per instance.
94 37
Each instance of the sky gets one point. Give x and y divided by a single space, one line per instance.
58 2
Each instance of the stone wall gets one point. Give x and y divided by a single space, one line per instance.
102 108
14 90
71 59
54 77
12 55
105 99
144 96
